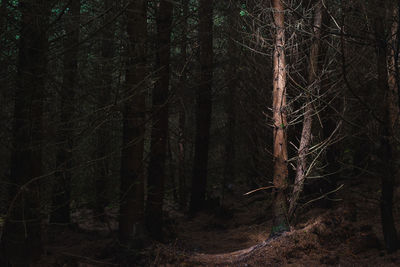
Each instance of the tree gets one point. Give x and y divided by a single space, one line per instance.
62 188
387 83
280 222
305 140
159 131
131 221
3 88
231 80
103 136
3 20
203 107
21 239
182 190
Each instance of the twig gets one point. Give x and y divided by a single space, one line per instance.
258 189
324 195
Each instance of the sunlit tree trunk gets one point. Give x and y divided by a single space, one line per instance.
21 239
131 221
280 179
159 132
388 84
62 188
104 132
313 83
203 107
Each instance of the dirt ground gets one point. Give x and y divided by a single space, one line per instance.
349 234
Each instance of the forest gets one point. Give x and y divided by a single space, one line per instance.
199 133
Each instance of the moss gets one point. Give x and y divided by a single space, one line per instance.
278 230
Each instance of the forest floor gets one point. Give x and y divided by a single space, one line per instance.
349 234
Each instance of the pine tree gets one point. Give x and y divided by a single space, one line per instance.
203 107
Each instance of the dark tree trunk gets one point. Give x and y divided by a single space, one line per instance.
159 131
21 238
3 89
62 188
231 82
104 132
3 13
203 108
182 190
3 21
388 143
330 121
131 221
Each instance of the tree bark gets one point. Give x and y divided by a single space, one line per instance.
280 222
159 132
3 99
61 197
231 80
131 221
203 108
104 132
21 238
182 190
305 140
3 20
387 83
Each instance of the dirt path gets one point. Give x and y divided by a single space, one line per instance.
349 234
237 227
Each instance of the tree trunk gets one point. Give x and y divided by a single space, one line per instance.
61 197
388 84
4 117
182 191
3 13
305 140
131 221
280 223
3 21
104 132
21 238
231 80
159 132
203 108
